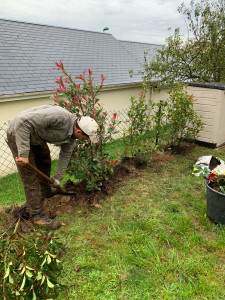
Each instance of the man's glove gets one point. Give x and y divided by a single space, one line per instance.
56 183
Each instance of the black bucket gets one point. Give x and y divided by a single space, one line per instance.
215 205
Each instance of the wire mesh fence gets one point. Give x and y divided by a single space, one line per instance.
10 183
7 163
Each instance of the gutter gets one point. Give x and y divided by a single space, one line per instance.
38 95
208 85
25 96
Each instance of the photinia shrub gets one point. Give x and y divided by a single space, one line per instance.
29 266
89 162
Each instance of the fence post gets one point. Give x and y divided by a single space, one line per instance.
158 121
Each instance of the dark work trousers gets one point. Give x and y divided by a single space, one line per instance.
35 187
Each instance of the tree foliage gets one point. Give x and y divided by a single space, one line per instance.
201 56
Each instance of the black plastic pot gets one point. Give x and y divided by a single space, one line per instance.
215 205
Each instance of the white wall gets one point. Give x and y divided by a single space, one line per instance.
210 106
112 99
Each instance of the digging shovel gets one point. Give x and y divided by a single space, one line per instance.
50 180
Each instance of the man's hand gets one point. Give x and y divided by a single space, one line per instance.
22 160
56 182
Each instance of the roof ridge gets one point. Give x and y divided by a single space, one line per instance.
54 26
140 43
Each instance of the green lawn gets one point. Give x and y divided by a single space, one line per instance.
150 240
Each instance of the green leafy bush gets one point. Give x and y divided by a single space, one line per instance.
154 126
159 124
182 122
89 162
175 119
30 266
137 138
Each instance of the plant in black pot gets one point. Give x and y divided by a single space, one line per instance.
215 193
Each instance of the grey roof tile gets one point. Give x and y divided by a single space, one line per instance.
139 50
28 53
8 92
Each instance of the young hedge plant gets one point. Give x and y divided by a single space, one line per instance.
138 137
89 162
182 122
159 125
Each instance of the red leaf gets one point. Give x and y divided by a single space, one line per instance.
59 65
90 81
103 78
75 100
211 177
61 89
81 77
66 80
59 80
114 116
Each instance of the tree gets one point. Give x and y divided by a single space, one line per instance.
201 56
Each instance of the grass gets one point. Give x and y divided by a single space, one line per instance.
150 240
11 188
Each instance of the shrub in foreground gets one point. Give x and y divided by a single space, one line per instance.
30 266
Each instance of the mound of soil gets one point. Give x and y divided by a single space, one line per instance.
183 148
61 203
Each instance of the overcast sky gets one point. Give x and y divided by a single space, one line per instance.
130 20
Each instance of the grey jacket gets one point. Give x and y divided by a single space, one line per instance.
48 123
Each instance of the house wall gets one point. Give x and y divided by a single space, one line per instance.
156 96
118 99
210 106
112 99
11 106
